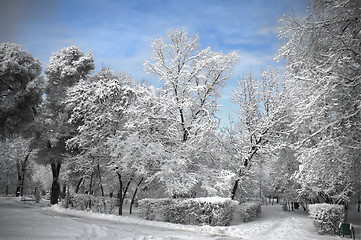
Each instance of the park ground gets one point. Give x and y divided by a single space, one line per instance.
26 220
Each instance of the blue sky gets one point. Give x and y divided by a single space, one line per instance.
120 33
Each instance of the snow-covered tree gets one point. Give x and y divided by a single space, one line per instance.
8 169
64 70
97 106
323 61
21 88
191 80
41 177
259 103
281 181
15 165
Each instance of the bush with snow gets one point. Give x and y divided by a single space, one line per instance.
214 211
326 217
84 201
154 209
249 210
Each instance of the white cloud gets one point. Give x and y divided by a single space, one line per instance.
266 31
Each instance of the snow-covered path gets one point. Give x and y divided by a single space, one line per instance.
275 224
23 221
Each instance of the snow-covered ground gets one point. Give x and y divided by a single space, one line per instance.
27 221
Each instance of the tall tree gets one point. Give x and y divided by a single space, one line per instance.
64 70
97 106
323 62
258 99
191 82
21 88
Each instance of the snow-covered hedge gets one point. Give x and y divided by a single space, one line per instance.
154 209
214 211
84 201
249 210
327 217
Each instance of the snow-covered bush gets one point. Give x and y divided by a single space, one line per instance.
326 217
249 210
214 211
154 209
84 201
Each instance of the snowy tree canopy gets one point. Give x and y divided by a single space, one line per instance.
177 120
21 88
97 106
65 69
323 80
192 79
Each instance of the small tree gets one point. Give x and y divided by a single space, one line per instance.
15 164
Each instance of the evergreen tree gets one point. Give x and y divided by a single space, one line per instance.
21 88
64 70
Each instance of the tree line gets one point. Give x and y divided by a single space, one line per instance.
296 134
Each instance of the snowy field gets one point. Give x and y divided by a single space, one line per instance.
29 221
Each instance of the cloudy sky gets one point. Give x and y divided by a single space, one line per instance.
120 33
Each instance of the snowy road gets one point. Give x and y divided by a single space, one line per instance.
24 222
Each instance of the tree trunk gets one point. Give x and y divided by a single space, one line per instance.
18 185
79 184
120 212
127 187
63 192
90 191
134 195
100 181
234 189
55 187
252 152
21 176
23 171
122 193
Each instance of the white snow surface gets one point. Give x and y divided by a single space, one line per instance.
28 221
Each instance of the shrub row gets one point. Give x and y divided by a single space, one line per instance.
212 211
249 210
154 209
327 217
84 201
